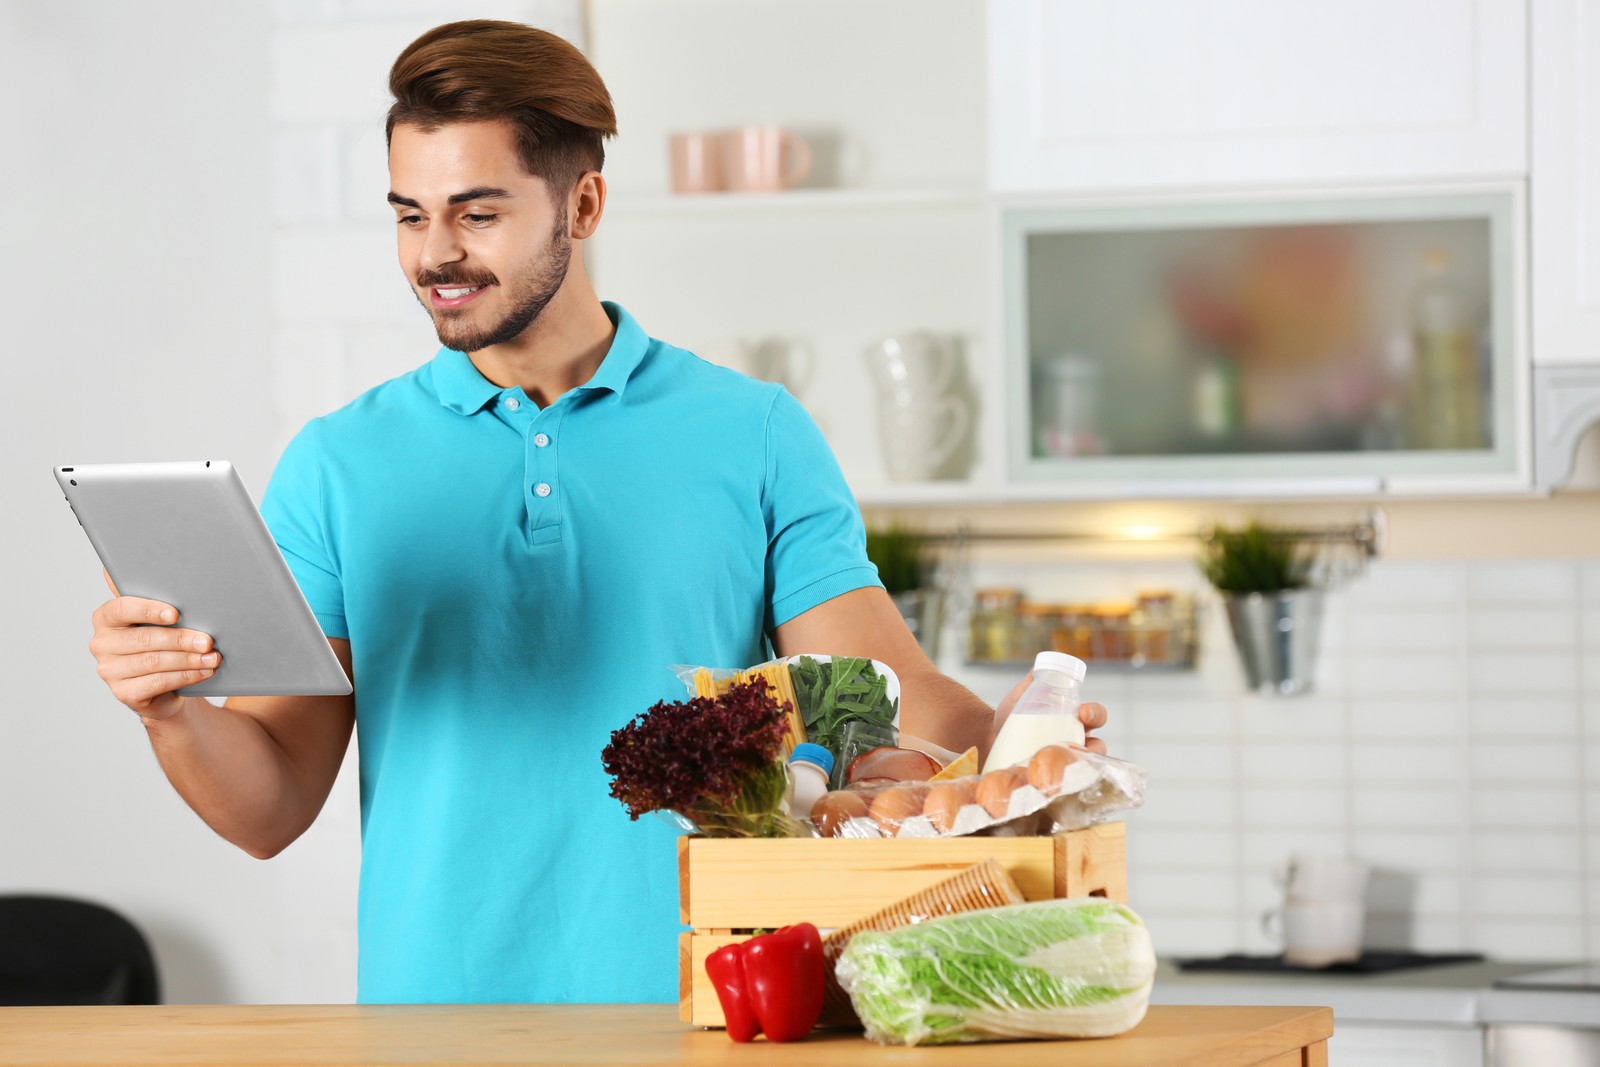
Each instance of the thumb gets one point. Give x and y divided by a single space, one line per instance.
107 575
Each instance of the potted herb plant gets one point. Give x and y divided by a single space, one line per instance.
906 566
1274 609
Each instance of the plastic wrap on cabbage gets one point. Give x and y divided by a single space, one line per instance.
1079 967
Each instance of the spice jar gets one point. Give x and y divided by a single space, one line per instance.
1114 618
992 634
1157 620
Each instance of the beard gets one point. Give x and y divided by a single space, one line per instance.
530 292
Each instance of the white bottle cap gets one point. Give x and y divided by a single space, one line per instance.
1071 666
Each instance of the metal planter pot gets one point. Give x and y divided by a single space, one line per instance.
1276 635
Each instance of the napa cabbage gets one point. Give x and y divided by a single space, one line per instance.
1078 967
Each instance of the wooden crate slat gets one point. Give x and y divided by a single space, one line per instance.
743 884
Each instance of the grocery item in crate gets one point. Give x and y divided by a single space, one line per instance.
713 764
983 885
1046 713
1062 787
704 682
827 693
1076 967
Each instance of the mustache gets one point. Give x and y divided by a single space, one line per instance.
430 279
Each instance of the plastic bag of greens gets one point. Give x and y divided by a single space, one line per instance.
1079 967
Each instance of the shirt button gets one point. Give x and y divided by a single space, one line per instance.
542 489
541 439
512 403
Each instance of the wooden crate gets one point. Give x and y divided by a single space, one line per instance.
728 887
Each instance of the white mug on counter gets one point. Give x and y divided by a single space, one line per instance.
1316 933
1313 877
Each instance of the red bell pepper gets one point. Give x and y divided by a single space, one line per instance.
772 983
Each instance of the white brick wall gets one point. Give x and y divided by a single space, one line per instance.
1453 742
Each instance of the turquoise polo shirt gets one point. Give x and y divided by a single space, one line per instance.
515 584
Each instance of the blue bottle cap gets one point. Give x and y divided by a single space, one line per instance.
806 752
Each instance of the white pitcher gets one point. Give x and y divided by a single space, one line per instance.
925 411
916 364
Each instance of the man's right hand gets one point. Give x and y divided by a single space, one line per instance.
144 657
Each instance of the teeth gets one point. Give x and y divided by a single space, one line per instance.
451 294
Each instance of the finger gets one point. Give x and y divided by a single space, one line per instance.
145 689
113 585
1095 745
146 664
137 611
1092 715
132 640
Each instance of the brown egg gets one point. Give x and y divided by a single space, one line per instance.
1047 767
895 805
994 789
947 798
834 809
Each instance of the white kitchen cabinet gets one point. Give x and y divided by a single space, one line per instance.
1330 342
1564 194
1386 1045
1564 223
1087 95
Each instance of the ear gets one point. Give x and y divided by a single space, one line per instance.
587 204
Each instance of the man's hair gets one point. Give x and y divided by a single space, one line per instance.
483 70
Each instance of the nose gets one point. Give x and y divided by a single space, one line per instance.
439 247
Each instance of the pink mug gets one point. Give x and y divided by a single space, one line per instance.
696 162
763 159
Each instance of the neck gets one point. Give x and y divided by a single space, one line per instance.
560 350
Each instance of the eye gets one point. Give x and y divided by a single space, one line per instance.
407 220
480 220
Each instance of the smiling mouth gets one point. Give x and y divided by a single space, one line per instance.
454 296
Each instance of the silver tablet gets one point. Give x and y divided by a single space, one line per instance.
189 535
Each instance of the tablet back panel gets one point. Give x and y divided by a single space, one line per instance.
189 535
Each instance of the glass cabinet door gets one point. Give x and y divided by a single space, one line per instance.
1302 339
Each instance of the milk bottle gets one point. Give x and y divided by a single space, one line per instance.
1047 713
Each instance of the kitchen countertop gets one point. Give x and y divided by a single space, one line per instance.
1460 994
332 1035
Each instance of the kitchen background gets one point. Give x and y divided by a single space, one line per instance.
200 250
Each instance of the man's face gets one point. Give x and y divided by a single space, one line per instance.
483 242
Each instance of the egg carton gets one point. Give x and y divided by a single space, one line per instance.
1062 787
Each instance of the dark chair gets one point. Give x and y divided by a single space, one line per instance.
54 950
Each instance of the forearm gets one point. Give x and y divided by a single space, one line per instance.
939 709
228 768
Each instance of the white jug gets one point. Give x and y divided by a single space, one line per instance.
925 410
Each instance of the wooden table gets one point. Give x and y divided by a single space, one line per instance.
339 1035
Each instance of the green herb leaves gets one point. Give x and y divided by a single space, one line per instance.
838 691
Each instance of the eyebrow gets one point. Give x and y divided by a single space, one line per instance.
482 192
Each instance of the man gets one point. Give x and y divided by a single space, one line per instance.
507 548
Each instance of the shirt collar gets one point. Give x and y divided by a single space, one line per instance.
463 389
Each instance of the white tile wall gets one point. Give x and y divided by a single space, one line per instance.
1453 742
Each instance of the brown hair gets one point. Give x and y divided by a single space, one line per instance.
484 69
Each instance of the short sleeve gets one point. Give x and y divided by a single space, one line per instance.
816 543
295 513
